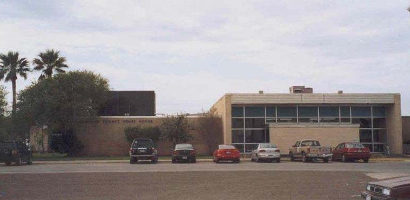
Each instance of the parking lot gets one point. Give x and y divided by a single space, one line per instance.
203 180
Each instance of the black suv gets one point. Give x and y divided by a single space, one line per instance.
15 151
143 149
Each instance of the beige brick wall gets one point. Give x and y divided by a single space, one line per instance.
330 135
106 136
406 128
394 126
223 108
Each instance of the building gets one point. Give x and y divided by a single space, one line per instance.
129 103
372 119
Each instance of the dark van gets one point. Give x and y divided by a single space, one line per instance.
143 149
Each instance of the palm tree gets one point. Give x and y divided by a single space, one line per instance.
11 66
49 62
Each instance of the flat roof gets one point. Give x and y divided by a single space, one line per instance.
312 98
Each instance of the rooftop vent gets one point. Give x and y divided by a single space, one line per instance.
260 91
340 92
300 89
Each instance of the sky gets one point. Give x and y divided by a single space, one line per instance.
193 52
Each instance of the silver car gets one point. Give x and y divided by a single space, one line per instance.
266 152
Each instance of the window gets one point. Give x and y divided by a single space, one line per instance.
365 136
255 136
310 143
237 123
254 112
237 136
379 112
307 114
364 122
254 122
345 114
240 147
379 136
379 123
287 114
271 112
250 147
237 111
329 114
361 111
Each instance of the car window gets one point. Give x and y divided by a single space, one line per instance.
142 144
310 143
297 143
184 146
267 146
354 145
226 147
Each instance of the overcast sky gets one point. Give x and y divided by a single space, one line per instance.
192 52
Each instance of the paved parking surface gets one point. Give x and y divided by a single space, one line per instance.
203 180
387 167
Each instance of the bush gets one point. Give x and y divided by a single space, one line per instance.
142 132
66 143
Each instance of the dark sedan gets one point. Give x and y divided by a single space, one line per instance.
391 189
184 152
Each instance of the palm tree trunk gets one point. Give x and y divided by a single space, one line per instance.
13 84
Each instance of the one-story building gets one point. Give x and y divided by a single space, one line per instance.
374 119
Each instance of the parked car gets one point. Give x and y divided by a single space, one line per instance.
227 153
184 152
143 149
397 188
351 151
18 152
266 152
309 150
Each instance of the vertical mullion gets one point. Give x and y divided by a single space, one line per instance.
243 141
371 121
318 116
297 114
340 115
276 114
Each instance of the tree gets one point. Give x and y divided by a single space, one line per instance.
142 132
174 129
63 102
48 62
209 126
11 66
3 101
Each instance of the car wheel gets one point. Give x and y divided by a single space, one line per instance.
344 158
174 161
326 160
8 163
155 160
291 156
257 159
194 160
366 160
278 160
132 160
237 161
19 161
304 159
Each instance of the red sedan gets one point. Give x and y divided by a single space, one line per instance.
351 151
227 153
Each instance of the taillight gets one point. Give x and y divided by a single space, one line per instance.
14 152
277 150
262 151
193 152
307 150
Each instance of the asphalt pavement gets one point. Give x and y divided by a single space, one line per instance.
203 180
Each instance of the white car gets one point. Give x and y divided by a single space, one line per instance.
266 152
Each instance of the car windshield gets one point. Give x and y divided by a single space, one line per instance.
142 144
184 146
310 143
267 146
226 146
354 145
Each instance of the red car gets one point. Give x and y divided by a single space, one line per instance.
351 151
227 153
